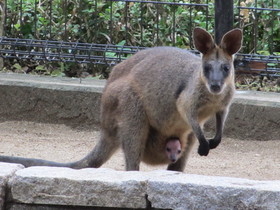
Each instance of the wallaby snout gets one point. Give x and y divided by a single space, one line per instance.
216 81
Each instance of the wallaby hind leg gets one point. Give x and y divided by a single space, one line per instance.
180 164
133 131
108 142
133 143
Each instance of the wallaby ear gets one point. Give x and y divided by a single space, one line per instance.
203 41
232 41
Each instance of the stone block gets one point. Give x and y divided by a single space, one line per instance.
133 190
6 171
86 187
186 191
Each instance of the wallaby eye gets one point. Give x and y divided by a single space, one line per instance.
226 68
168 150
207 69
179 151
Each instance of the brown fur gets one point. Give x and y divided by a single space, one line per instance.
159 93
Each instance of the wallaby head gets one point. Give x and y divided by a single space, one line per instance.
217 60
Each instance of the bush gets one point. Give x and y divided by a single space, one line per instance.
133 23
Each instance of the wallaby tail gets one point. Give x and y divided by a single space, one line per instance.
95 158
27 162
99 155
86 162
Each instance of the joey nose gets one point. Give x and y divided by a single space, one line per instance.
173 159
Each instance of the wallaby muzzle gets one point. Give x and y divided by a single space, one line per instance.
216 80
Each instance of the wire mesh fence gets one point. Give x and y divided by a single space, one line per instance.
107 32
30 49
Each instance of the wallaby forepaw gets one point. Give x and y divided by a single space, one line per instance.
203 149
213 143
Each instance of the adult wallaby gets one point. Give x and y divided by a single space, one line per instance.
160 93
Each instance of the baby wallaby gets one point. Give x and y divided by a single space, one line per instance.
158 93
173 149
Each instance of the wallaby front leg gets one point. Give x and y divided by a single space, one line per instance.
203 148
220 119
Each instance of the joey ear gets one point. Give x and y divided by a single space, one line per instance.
232 41
203 41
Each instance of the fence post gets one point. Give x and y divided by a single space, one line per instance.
2 21
223 18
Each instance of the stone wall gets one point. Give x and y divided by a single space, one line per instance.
50 188
253 115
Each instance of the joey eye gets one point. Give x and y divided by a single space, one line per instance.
179 151
168 150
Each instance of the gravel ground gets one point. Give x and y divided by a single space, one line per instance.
259 160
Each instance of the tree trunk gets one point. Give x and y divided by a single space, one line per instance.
223 18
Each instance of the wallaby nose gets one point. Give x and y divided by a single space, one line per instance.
215 88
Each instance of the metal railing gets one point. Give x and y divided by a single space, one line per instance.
88 46
30 49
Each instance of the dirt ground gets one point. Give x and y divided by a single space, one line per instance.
259 160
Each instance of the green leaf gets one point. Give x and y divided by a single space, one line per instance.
17 26
121 43
17 66
57 73
40 68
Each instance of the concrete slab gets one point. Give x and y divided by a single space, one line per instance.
49 99
258 98
54 83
